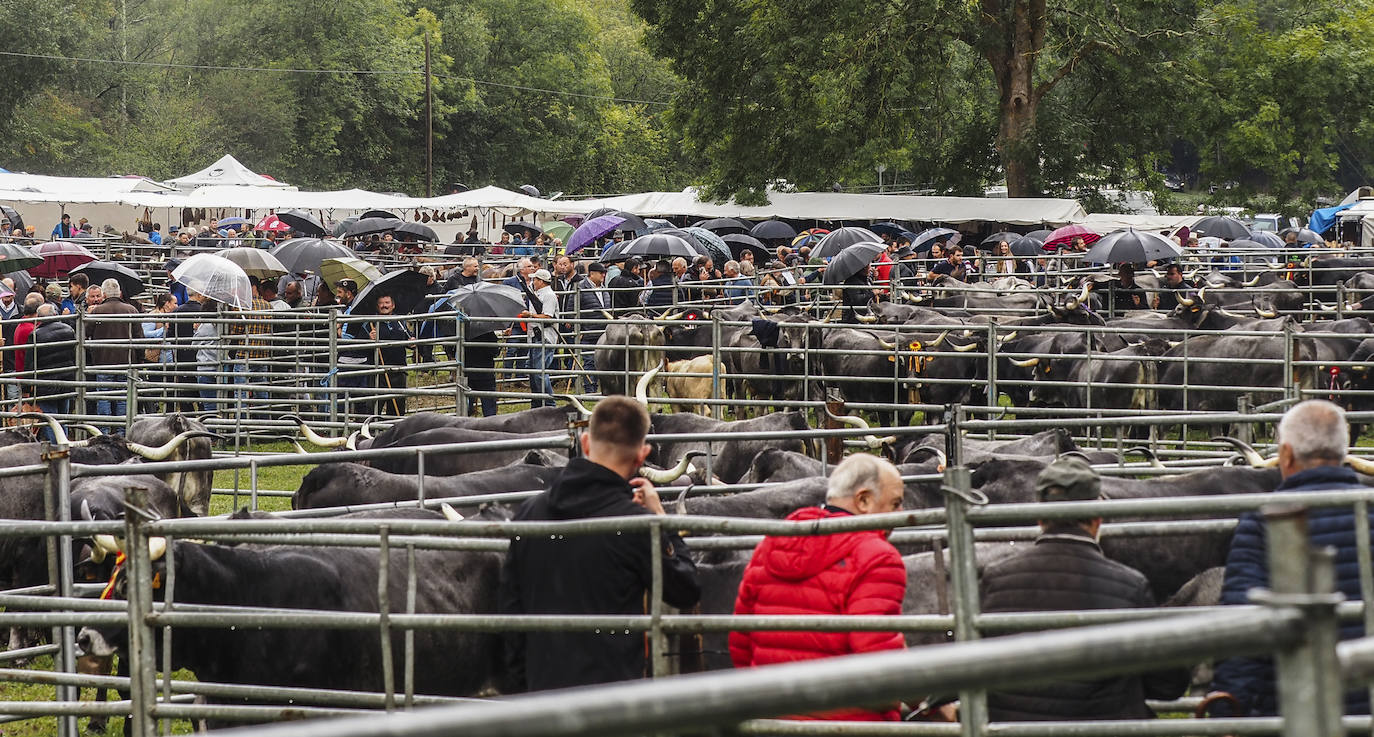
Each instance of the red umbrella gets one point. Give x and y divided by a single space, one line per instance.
1065 235
272 223
59 257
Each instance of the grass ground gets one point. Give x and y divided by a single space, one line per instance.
47 726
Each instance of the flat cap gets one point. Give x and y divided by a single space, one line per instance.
1068 479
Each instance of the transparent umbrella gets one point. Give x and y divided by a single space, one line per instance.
217 278
255 262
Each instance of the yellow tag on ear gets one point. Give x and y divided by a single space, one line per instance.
157 580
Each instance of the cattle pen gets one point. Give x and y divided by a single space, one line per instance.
928 392
955 529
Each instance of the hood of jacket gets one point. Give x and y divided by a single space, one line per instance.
800 558
587 489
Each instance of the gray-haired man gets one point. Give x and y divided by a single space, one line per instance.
111 347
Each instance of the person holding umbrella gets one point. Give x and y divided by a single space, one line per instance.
1126 294
397 338
353 358
543 337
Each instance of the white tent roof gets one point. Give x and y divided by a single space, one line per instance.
1107 222
77 186
226 171
841 206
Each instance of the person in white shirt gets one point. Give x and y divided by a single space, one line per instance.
543 337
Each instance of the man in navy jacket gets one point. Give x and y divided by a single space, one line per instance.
1312 447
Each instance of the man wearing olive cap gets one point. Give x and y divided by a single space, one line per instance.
1066 570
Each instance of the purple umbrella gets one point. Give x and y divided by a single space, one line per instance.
589 231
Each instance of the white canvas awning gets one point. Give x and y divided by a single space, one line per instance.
841 206
226 171
1110 222
37 184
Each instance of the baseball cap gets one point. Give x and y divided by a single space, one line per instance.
174 229
597 266
542 275
1068 479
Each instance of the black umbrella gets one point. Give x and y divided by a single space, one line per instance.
889 229
1043 234
1027 246
841 238
417 232
520 226
130 283
1132 246
852 260
632 221
1225 228
1266 238
654 246
723 226
991 241
379 214
740 243
1304 235
706 242
406 287
303 222
12 215
305 254
342 226
773 230
368 226
483 299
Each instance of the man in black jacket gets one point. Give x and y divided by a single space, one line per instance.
1066 570
627 286
592 574
50 363
593 303
182 331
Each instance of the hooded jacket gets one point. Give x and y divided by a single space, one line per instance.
586 574
845 573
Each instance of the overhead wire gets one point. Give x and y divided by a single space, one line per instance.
281 70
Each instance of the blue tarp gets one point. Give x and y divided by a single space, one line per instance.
1323 219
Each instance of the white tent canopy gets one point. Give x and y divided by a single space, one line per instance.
76 186
226 171
1107 222
841 206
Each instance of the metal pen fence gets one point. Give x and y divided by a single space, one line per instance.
957 521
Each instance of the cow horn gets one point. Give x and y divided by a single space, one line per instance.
90 429
351 442
1187 301
164 451
1363 465
680 506
642 387
86 510
671 316
772 310
315 437
577 404
1083 295
1267 314
1028 363
450 513
1192 274
966 348
1008 336
1072 304
157 547
668 476
1251 456
1326 307
1252 282
1156 273
57 432
1202 294
873 441
940 339
366 429
866 319
607 314
1150 454
103 545
887 346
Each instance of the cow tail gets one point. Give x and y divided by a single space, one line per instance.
1147 372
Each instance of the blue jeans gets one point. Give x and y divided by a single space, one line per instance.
206 379
541 386
52 407
111 408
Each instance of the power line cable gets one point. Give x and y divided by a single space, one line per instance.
215 68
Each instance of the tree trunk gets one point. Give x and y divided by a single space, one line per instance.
1016 41
1016 145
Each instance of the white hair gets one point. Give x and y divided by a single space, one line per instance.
111 288
859 471
1316 430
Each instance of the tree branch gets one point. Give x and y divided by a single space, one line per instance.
1067 67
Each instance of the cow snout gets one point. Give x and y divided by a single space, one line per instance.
91 642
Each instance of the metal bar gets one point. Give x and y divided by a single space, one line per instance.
384 618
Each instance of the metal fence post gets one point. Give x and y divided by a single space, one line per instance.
658 642
139 590
1244 431
384 615
973 710
1309 680
58 505
1290 387
81 378
717 410
1366 569
130 399
460 379
333 372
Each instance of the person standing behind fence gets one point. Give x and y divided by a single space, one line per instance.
627 287
1065 570
606 574
396 339
593 303
543 337
849 573
50 362
353 358
183 333
111 362
1312 440
159 360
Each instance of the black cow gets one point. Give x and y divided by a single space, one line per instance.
194 487
625 351
345 484
454 462
447 662
729 459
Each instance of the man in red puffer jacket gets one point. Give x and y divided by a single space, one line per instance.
845 573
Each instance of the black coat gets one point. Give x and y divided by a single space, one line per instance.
1067 571
586 574
183 331
628 299
47 353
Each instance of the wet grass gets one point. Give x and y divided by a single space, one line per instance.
47 726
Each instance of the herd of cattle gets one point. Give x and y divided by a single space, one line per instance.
1182 568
